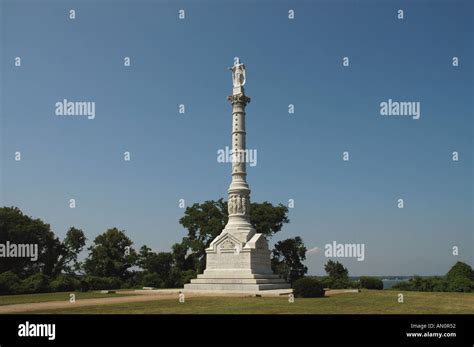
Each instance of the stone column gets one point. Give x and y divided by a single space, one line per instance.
239 191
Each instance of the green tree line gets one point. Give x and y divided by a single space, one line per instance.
114 262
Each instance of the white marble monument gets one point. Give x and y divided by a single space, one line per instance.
238 259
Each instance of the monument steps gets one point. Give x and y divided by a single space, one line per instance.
237 287
238 280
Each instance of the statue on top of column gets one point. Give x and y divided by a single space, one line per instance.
238 73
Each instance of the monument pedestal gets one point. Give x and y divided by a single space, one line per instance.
233 265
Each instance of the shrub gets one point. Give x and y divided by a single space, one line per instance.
64 283
339 283
336 284
461 285
9 283
426 284
440 284
100 283
37 283
307 287
152 279
325 281
134 281
403 285
371 282
436 284
187 276
353 284
84 285
178 278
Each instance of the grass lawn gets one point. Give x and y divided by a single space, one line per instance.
368 301
31 298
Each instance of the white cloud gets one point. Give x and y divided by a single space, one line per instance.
314 250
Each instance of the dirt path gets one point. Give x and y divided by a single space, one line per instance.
51 305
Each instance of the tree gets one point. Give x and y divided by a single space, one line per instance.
207 220
143 256
460 278
287 259
18 228
460 270
72 245
268 219
179 251
336 270
159 264
338 275
204 223
111 255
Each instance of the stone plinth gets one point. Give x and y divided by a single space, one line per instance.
233 265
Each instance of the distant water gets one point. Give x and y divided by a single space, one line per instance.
389 283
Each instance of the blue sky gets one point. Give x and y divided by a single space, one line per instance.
174 156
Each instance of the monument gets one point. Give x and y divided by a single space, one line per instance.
239 258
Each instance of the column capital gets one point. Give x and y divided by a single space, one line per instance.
238 99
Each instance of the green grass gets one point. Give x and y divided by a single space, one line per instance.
44 297
373 301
